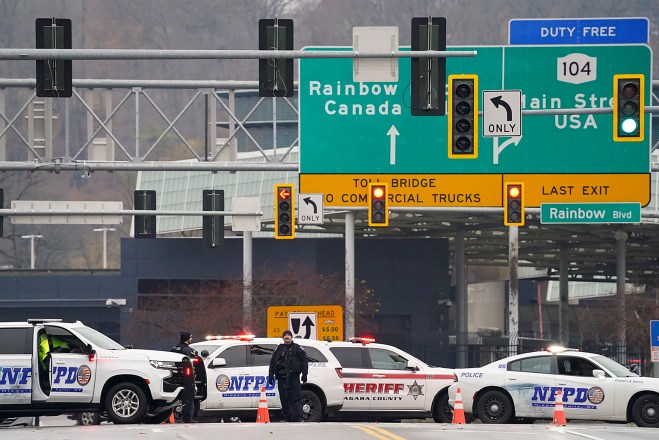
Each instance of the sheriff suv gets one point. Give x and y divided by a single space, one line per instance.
237 368
384 382
50 367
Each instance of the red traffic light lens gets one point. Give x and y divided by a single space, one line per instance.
514 191
629 90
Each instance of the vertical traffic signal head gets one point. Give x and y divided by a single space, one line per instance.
213 225
378 205
275 75
284 212
513 209
463 116
428 74
628 116
54 77
145 225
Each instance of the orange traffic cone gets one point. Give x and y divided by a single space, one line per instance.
458 409
559 412
262 415
170 419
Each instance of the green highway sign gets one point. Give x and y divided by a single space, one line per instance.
367 129
570 213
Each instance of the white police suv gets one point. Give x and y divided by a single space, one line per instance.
237 368
50 367
381 382
593 387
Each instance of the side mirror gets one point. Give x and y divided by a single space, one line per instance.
412 366
89 349
600 374
218 362
204 353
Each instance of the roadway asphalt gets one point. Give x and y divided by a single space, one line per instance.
60 428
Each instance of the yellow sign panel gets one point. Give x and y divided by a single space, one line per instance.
583 188
477 190
329 320
408 190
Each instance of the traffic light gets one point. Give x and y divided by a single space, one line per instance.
145 225
378 205
628 116
54 77
463 116
213 225
428 74
513 209
275 75
284 212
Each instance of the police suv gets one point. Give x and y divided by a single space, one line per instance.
49 367
526 386
237 368
381 381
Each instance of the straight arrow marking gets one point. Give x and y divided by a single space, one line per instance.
392 133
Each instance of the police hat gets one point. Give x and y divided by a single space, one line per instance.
185 336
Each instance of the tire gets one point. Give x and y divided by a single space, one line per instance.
495 407
157 419
126 403
88 418
443 413
312 408
645 411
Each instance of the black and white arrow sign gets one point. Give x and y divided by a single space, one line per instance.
502 113
310 209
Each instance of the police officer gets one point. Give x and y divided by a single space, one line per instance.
183 347
287 363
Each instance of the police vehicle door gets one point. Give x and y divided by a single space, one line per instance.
355 370
391 384
15 370
260 355
584 394
72 374
530 383
230 386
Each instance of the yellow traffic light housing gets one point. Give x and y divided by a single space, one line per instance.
378 205
513 208
463 116
628 111
284 212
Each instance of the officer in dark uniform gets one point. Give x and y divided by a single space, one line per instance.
287 363
183 347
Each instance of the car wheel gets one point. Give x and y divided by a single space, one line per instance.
312 409
443 412
495 407
645 411
89 418
126 403
158 418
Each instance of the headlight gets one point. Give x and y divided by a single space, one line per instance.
165 365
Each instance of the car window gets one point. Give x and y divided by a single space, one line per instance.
349 357
235 356
261 354
315 355
540 364
575 366
15 341
384 359
70 342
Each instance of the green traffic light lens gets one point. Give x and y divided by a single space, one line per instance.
629 125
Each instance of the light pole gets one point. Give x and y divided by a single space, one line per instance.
32 238
105 243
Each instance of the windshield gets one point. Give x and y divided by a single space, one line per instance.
98 339
614 367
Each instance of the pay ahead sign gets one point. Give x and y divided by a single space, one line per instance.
502 113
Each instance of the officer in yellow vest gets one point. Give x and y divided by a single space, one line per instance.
44 347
